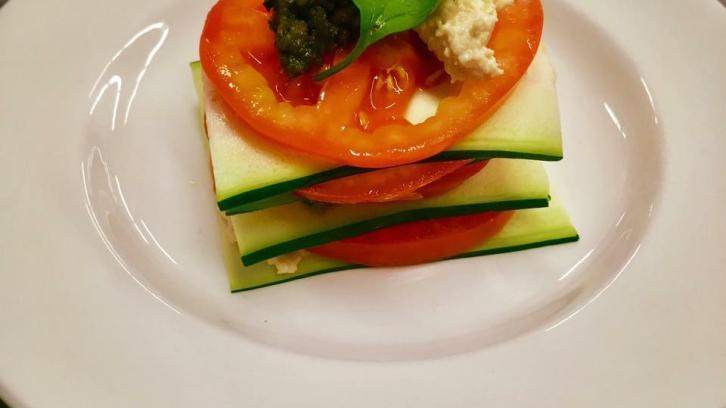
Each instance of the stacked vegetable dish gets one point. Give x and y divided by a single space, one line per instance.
369 133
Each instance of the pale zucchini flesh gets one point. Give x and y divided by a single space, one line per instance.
527 229
249 170
532 107
504 184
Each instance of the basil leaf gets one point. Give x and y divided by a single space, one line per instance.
379 19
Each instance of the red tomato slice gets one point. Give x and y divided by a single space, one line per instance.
452 180
392 184
417 242
236 43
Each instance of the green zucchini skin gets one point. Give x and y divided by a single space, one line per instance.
347 267
269 202
501 186
528 229
362 227
234 204
250 175
279 194
534 225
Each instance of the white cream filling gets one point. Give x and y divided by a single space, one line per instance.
458 33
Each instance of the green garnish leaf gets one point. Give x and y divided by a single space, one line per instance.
379 19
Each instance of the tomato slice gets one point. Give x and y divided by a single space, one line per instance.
417 242
236 41
392 184
452 180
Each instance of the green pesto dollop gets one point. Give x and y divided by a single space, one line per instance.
305 30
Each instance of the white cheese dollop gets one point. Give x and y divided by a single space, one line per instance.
288 263
458 33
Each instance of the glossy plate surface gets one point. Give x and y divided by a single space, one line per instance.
112 287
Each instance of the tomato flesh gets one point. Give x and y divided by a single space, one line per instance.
417 242
402 183
452 180
400 66
236 37
392 184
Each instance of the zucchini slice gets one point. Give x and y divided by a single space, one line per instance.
504 184
250 173
527 229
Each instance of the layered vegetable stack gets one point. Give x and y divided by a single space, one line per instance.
374 156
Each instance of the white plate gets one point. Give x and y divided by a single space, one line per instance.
112 288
